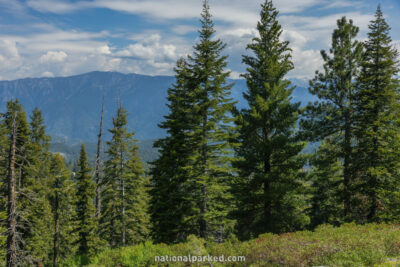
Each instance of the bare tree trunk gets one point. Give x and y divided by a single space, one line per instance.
98 163
12 245
56 232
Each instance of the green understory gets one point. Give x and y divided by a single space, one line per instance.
349 245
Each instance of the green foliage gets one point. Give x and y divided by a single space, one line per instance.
2 235
3 182
333 116
62 199
38 214
210 167
269 187
192 177
378 131
217 172
124 217
326 177
170 207
86 222
348 245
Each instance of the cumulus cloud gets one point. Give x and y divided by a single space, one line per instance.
104 50
154 51
53 57
10 59
67 51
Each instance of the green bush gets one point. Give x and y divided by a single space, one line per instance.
348 245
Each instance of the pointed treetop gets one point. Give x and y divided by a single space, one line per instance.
378 24
83 156
207 29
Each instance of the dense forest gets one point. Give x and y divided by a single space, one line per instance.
222 173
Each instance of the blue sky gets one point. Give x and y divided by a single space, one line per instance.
46 38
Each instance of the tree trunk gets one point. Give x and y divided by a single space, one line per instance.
98 162
12 247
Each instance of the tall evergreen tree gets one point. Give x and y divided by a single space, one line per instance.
86 222
13 244
378 135
14 108
3 218
211 170
61 197
270 168
334 114
124 216
37 210
170 208
3 190
17 129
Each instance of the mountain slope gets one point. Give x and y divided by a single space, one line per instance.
71 105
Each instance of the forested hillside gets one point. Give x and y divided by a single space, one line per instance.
63 99
228 178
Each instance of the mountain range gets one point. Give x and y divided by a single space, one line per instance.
71 105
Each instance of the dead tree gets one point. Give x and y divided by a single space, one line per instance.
98 165
12 245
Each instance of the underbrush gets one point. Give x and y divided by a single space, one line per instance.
349 245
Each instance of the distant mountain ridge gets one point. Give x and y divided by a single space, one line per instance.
71 105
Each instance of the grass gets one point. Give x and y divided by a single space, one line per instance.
349 245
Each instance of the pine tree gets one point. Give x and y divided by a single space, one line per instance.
86 221
170 208
136 216
62 201
211 171
17 129
14 108
378 146
270 169
13 244
334 113
3 218
124 216
326 177
37 208
3 190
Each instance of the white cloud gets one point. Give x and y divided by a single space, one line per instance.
10 59
306 62
152 49
47 74
8 49
183 29
235 75
104 50
69 51
53 57
234 11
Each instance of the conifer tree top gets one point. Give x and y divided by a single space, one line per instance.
207 29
